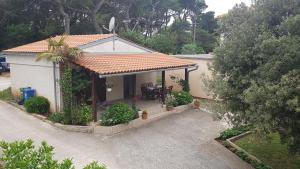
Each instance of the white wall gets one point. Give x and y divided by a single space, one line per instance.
145 78
197 87
25 72
120 47
117 92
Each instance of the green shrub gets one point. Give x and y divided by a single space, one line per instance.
254 163
234 132
39 105
94 165
6 95
81 114
183 98
117 114
171 101
22 154
56 117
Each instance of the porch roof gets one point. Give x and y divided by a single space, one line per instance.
109 64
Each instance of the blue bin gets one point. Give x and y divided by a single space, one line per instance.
28 93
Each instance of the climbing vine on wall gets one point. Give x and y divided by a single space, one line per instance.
66 86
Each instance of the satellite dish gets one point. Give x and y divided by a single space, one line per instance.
112 24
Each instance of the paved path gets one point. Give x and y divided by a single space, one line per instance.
181 141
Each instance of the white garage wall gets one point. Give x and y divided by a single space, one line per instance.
197 87
26 72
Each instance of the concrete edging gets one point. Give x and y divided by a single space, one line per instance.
111 130
93 128
230 141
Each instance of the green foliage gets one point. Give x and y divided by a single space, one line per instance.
183 98
256 68
134 37
6 95
81 84
66 85
206 40
94 165
117 114
270 150
254 163
165 43
56 117
171 101
184 85
38 104
234 132
191 49
23 154
81 114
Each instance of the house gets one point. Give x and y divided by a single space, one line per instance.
110 60
196 78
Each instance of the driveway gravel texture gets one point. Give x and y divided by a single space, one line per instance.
180 141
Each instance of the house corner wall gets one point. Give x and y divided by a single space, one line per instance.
26 72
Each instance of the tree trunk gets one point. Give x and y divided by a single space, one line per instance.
94 16
67 20
127 16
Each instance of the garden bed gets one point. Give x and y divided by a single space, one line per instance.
96 128
270 151
227 139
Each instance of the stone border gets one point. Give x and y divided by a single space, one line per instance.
96 129
112 130
232 139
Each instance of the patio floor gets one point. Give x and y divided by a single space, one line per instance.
152 106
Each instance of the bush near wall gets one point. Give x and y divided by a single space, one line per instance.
117 114
183 98
38 104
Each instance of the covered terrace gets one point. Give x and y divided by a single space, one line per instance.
128 70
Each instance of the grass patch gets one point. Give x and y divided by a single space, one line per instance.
6 95
270 151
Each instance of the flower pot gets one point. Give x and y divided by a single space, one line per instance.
196 104
140 113
145 115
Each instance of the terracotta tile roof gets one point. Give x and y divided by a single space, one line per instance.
71 40
124 63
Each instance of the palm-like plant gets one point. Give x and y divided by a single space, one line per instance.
60 53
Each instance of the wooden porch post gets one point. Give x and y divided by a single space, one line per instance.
186 76
134 92
163 85
94 96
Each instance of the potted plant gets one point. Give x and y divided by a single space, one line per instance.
197 104
145 115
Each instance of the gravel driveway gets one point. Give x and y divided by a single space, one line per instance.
181 141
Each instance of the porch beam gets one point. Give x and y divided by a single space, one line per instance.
163 85
186 75
94 96
134 92
147 71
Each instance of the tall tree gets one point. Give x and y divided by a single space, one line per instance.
257 68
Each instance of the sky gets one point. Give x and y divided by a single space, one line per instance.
222 6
